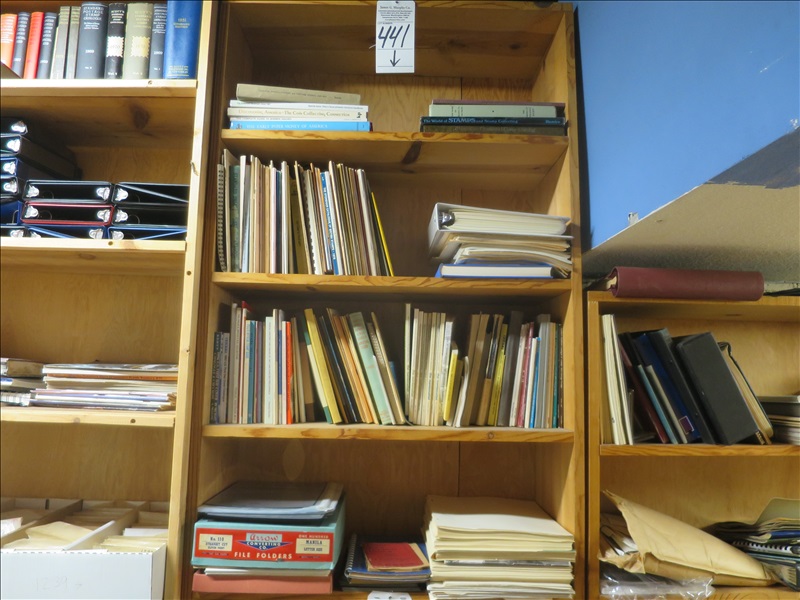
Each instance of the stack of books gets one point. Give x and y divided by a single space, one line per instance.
784 414
496 548
144 387
18 378
684 390
492 116
471 241
385 564
273 217
267 107
102 40
269 538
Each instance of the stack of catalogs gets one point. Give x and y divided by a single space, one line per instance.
496 547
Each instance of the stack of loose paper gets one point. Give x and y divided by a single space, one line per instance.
496 548
145 387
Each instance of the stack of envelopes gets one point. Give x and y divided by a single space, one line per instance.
496 548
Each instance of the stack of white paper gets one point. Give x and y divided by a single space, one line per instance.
496 548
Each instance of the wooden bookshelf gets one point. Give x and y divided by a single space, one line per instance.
478 49
700 484
80 301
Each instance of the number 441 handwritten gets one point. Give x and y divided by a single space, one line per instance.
393 35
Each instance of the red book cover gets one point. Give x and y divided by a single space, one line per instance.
394 556
8 29
34 42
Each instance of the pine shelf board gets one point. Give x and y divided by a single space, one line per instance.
133 113
702 451
133 257
391 286
124 418
768 308
493 39
461 160
325 431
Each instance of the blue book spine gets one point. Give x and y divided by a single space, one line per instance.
302 125
182 38
329 221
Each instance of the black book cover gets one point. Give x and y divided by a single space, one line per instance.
46 49
157 40
662 343
21 43
715 387
115 40
91 57
339 377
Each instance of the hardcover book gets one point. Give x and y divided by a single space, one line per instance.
115 42
47 46
92 41
8 29
60 44
136 51
72 42
716 388
21 42
182 38
34 44
156 67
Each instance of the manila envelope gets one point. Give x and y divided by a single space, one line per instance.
674 549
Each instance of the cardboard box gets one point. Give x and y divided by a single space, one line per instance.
82 572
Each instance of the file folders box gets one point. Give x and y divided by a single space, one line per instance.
264 545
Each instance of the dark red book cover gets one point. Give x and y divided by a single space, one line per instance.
687 284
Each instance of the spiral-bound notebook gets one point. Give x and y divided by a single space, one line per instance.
386 562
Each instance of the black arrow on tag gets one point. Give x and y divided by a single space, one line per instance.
394 60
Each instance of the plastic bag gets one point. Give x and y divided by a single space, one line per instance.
617 584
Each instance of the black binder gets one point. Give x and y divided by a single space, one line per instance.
715 387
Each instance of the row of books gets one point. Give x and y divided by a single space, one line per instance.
263 107
97 210
277 218
506 374
685 389
144 387
280 369
471 241
101 40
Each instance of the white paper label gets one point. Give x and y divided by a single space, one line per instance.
394 36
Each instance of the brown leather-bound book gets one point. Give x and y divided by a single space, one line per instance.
687 284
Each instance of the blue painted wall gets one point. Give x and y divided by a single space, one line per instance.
675 93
